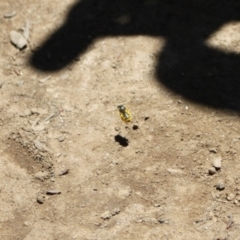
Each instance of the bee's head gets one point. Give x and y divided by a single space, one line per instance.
121 108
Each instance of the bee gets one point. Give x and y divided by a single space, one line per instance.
125 114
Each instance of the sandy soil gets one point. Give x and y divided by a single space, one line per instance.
70 168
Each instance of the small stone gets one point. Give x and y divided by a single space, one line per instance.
117 129
53 192
217 163
10 15
52 179
40 198
18 40
230 196
106 215
43 80
115 211
41 175
211 171
220 186
212 150
61 139
161 220
238 198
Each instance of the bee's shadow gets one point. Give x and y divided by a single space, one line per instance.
185 65
121 140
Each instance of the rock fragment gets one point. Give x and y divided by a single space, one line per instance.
212 171
18 40
106 215
115 211
53 192
40 198
230 196
61 138
220 186
217 163
9 15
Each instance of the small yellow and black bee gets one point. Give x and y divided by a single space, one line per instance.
125 114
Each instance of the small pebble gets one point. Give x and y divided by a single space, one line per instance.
238 198
42 175
18 40
106 215
64 172
61 139
44 79
26 223
115 211
52 179
230 196
40 199
117 129
211 171
220 186
53 192
213 150
217 163
10 15
161 220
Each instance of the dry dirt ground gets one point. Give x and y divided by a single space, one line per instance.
175 65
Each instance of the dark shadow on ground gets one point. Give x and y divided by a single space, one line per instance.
186 65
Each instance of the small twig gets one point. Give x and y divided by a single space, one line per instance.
230 223
49 117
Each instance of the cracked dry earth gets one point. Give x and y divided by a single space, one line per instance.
71 169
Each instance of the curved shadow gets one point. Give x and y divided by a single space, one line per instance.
186 65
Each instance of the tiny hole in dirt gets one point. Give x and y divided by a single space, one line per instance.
121 140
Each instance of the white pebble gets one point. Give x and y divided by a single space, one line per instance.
217 163
18 40
230 196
